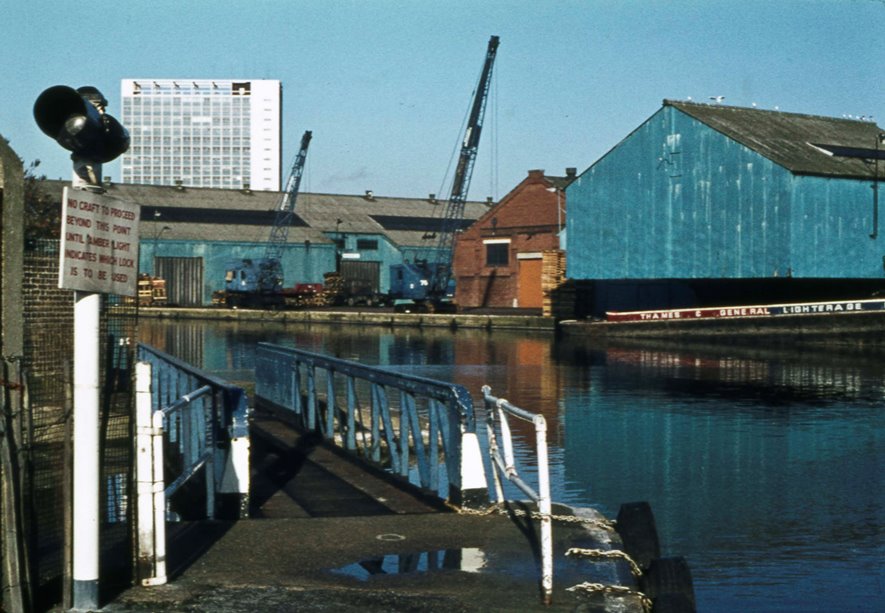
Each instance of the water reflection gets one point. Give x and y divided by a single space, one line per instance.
470 560
763 465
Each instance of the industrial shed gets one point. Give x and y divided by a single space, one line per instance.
189 235
498 260
707 204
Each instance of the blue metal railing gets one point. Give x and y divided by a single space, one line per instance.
194 417
188 423
414 427
226 411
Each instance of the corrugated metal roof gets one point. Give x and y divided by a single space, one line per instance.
792 140
323 213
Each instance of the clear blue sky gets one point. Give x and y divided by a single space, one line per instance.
385 84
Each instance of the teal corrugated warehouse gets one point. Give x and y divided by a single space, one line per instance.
189 236
711 193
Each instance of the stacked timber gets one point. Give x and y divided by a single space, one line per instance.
558 293
151 291
333 289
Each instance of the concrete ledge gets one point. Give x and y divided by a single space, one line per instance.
367 318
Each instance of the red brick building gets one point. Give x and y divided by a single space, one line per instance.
497 260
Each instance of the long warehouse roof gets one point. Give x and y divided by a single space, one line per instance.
207 214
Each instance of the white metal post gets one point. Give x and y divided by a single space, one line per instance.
544 508
144 473
87 309
159 492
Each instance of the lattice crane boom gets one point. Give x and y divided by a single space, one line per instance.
279 233
454 211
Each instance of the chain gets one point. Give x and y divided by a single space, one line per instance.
606 553
499 508
605 524
613 589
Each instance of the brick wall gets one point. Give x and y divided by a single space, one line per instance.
528 218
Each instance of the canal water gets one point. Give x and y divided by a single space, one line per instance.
763 465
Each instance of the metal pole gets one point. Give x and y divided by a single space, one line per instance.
87 308
144 471
545 509
558 211
159 493
875 187
87 313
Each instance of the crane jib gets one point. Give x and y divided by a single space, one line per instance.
427 280
279 233
441 273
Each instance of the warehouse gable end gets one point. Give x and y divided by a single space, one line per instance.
705 193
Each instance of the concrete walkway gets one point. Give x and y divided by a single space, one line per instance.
328 535
420 562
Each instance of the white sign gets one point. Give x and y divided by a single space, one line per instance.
99 243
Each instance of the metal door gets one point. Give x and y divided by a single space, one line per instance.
184 280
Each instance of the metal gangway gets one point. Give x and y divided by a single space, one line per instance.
420 432
418 428
413 427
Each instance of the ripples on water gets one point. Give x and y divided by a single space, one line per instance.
763 467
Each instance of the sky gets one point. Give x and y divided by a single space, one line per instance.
385 84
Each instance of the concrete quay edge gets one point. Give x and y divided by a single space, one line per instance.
368 318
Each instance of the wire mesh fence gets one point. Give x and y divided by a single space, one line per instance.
46 420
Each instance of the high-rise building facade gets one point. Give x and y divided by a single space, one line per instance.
203 133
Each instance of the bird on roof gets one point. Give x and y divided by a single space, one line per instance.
717 99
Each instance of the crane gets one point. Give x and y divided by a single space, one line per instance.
279 233
259 282
427 283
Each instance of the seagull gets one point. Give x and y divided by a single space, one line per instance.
717 99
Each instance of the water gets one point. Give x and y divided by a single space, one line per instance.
763 466
471 560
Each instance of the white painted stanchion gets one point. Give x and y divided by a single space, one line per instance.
159 494
504 466
144 445
87 308
545 508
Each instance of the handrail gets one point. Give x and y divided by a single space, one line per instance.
497 410
193 423
173 377
235 417
197 449
162 416
402 422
